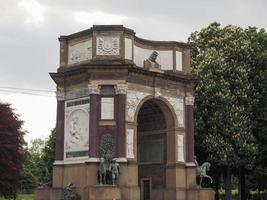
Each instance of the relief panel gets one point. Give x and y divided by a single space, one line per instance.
107 45
76 134
130 143
178 106
80 51
180 148
133 100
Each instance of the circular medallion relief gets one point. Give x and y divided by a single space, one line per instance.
107 45
77 129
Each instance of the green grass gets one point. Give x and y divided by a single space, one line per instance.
22 197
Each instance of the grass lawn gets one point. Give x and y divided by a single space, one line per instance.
22 197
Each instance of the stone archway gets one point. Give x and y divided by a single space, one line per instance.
155 147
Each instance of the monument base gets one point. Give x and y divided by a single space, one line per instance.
206 194
124 193
105 193
43 193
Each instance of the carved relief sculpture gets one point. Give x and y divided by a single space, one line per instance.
180 148
133 100
178 106
77 127
108 45
121 88
80 52
130 143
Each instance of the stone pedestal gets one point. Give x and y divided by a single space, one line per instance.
48 194
105 193
206 194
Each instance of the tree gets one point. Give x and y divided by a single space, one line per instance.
258 39
11 149
48 156
33 164
221 60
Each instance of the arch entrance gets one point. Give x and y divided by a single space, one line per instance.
154 123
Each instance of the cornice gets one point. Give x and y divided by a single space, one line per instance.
86 68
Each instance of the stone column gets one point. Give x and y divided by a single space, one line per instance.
121 91
189 127
60 95
95 104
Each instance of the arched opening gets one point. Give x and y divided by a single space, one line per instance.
154 120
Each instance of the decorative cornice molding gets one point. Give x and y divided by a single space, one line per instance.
94 89
189 101
121 88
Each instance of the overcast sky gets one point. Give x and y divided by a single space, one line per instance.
29 30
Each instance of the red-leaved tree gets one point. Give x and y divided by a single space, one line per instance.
11 149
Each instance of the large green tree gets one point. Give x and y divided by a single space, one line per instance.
38 162
258 39
11 149
32 170
221 60
48 155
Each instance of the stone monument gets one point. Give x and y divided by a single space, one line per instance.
124 118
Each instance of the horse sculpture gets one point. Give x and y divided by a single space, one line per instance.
102 171
202 171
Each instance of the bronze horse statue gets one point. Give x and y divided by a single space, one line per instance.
202 171
102 171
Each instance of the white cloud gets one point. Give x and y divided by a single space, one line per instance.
34 10
97 17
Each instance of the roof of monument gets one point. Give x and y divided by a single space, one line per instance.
121 28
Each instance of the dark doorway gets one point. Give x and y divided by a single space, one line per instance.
151 142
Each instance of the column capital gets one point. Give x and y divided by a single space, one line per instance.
121 88
60 94
189 101
94 89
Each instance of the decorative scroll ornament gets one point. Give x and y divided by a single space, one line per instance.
107 45
189 101
60 94
93 89
121 88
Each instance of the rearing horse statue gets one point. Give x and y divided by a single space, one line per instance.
202 171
